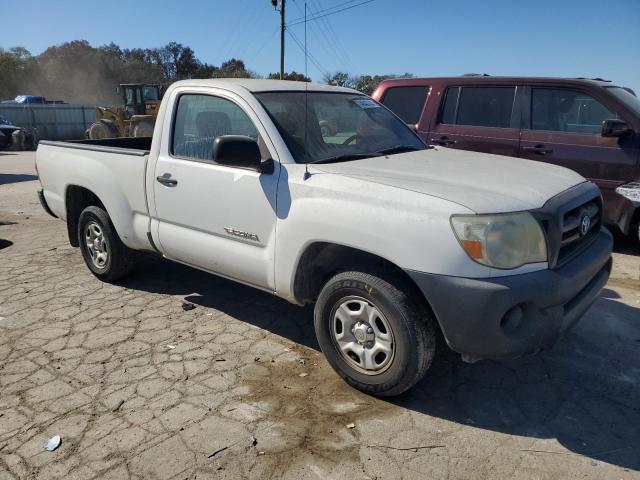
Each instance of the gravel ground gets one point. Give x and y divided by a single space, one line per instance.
139 388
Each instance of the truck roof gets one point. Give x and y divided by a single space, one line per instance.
260 85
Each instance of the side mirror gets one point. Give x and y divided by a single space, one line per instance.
237 151
615 128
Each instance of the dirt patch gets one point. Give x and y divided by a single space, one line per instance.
312 418
631 283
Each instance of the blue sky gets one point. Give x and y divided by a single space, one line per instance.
425 37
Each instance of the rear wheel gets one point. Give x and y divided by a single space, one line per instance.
375 336
103 251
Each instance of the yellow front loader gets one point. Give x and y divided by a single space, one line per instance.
136 118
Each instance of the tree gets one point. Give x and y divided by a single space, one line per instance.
76 72
293 75
233 68
340 79
16 67
364 83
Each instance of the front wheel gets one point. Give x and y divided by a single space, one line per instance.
103 251
143 129
102 129
375 336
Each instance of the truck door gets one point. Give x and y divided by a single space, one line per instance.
563 126
478 118
215 217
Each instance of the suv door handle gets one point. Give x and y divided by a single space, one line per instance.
167 180
443 140
538 149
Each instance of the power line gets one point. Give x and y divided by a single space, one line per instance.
323 10
297 21
263 46
231 41
315 62
334 37
326 42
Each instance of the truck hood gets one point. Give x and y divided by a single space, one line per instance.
481 182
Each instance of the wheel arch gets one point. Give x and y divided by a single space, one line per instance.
322 260
78 198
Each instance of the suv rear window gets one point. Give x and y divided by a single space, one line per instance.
478 106
406 102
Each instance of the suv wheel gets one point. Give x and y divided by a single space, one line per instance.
103 251
376 337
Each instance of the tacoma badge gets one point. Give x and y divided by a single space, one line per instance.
241 234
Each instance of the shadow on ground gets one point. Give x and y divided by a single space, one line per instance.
585 392
625 244
6 178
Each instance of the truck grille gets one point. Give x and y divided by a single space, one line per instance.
574 232
571 222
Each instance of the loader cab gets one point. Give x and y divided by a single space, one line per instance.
141 99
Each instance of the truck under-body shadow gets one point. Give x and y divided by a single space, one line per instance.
585 392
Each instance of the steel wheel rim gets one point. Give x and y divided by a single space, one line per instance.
96 244
362 335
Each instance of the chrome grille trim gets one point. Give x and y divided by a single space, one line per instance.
561 217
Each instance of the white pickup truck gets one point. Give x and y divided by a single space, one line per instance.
320 194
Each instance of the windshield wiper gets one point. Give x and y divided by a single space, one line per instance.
400 149
346 157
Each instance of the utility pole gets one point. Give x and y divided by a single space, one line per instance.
282 27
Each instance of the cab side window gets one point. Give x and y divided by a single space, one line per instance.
201 118
560 110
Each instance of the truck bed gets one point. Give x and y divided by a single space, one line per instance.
135 146
111 169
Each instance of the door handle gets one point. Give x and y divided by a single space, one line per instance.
167 180
443 140
538 149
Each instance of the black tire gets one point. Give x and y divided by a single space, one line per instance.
410 320
102 129
119 259
143 129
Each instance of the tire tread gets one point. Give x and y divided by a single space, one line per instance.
122 257
416 315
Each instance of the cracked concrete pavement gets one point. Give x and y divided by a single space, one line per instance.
139 388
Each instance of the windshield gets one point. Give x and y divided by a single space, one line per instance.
151 92
5 121
628 98
339 126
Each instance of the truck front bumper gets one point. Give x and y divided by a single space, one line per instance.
511 316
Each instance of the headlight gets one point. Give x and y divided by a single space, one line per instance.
630 191
501 241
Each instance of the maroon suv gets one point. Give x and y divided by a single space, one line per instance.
590 126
